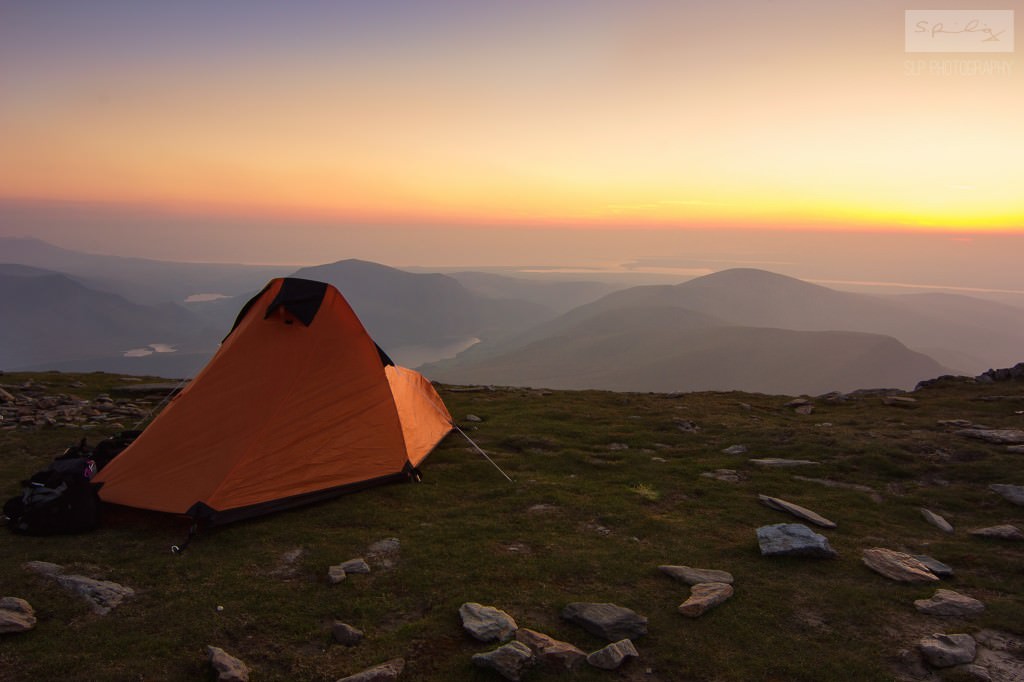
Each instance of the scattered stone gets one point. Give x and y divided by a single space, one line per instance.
735 450
618 446
335 574
793 539
805 409
727 475
613 655
686 426
102 595
43 568
384 552
949 603
976 672
796 510
936 520
935 566
229 668
1015 373
997 436
798 402
960 424
1001 654
608 621
696 576
487 623
510 660
1010 493
16 615
473 418
780 462
944 651
705 596
1002 532
31 408
287 564
385 672
897 565
542 509
552 652
829 483
343 633
899 401
354 566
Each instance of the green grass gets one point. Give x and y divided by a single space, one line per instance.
582 522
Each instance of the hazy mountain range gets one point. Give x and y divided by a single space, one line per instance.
736 329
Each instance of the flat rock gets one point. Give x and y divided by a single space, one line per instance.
793 539
345 634
829 483
936 520
899 401
16 615
727 475
384 553
703 597
997 436
945 651
1015 449
487 623
510 660
935 566
102 595
796 510
385 672
949 603
1010 493
973 671
613 655
229 668
608 621
897 565
550 651
1003 532
42 568
335 574
695 576
355 566
1000 653
735 450
781 462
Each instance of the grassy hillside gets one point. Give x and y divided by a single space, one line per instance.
608 487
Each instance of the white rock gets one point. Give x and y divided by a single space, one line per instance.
936 520
944 651
487 623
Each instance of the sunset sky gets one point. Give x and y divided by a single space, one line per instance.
270 120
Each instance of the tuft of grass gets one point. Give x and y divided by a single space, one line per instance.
646 492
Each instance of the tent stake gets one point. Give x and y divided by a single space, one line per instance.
482 452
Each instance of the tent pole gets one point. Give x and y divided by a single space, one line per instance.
477 447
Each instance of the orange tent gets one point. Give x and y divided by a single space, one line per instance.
297 405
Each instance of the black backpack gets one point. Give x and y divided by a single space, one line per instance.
61 498
53 503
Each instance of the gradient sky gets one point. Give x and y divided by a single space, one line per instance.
525 114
